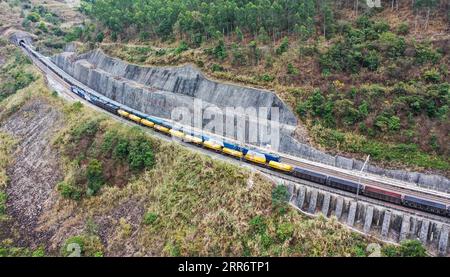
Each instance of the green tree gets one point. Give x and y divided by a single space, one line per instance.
239 35
220 51
283 46
263 36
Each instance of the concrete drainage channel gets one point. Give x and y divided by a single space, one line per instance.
370 219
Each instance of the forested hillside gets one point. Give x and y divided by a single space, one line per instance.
362 80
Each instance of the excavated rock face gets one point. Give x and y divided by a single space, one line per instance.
159 91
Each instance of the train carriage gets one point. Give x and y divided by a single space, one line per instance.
271 157
134 118
424 204
232 152
147 122
161 128
344 184
382 194
78 91
176 134
213 145
281 166
309 175
231 146
192 139
155 120
255 157
123 113
104 104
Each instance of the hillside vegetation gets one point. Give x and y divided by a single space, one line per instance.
361 80
121 187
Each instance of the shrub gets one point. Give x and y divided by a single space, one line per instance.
266 241
140 154
364 22
100 37
150 218
136 149
393 45
434 143
291 69
160 52
74 108
307 50
121 150
98 254
371 60
220 52
69 191
94 176
74 34
33 17
344 109
183 46
341 56
280 195
403 28
109 141
385 122
2 202
238 55
216 67
285 231
283 46
266 78
426 54
257 225
381 27
407 248
87 129
41 26
432 76
40 252
26 23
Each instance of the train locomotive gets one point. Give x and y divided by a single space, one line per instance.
254 156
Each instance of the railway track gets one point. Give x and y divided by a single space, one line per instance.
429 194
392 185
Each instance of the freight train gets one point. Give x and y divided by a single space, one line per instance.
254 156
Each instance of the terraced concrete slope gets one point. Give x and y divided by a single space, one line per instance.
158 90
167 87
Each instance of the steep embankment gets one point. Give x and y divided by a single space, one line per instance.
159 90
67 185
